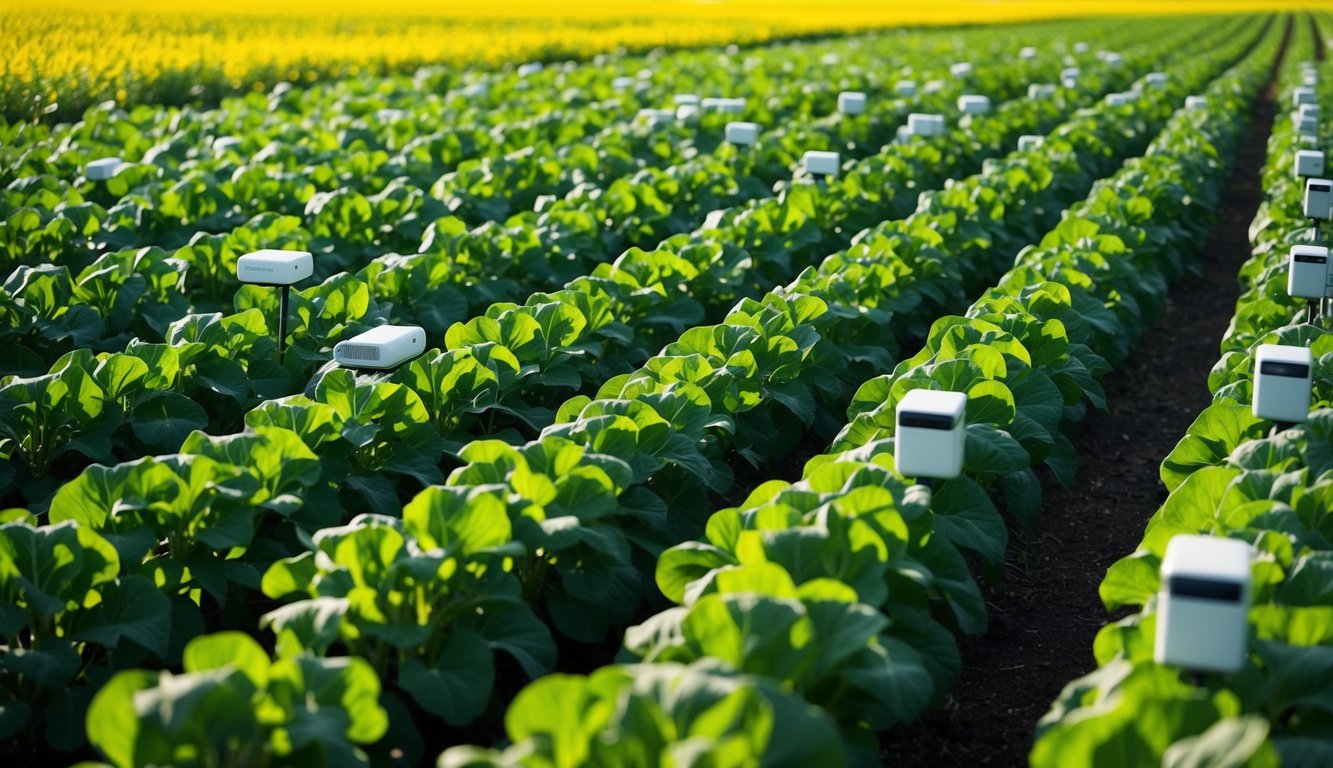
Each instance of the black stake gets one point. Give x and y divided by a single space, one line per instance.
1313 307
282 323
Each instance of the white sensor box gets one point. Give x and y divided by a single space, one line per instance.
742 133
1080 47
723 105
1203 604
686 112
1282 379
657 116
103 169
1030 142
921 124
382 347
1318 202
530 68
1027 53
1306 124
683 99
1119 99
1070 73
274 267
931 434
972 104
1041 90
1156 79
1196 102
622 83
905 88
1307 271
1303 95
961 69
1309 163
821 163
852 103
1308 109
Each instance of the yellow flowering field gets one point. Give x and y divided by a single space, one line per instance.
57 56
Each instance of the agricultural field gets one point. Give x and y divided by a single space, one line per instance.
658 469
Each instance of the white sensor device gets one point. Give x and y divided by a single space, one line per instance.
382 347
1318 202
1309 163
924 124
852 103
725 106
1308 109
1030 142
931 434
1027 53
742 133
103 169
530 68
274 267
1306 124
686 112
1203 603
1041 90
1156 79
1302 95
905 88
657 116
972 104
822 163
1119 99
961 69
622 83
1196 102
1307 271
684 99
1283 376
1080 47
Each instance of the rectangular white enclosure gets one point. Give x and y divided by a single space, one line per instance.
1283 376
931 434
1307 271
1203 603
821 163
382 347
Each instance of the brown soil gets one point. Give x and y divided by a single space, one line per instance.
1045 612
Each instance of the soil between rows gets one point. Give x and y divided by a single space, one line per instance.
1045 612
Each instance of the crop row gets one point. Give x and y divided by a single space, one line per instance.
562 524
1234 476
358 171
495 365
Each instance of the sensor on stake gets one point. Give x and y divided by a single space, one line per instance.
1307 275
277 268
381 348
905 88
1282 381
1203 604
930 434
1309 163
1301 96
